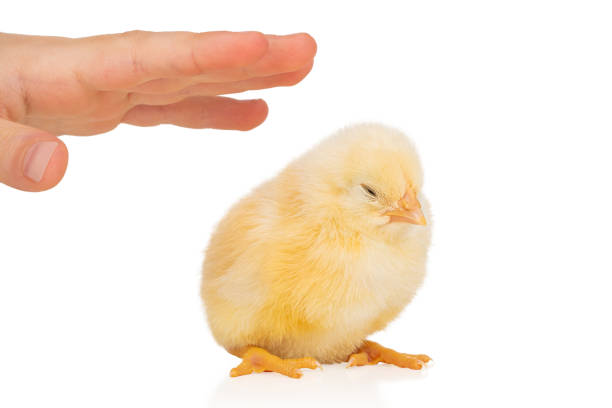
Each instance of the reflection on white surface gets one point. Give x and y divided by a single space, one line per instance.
335 384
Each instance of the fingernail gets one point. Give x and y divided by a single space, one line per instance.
37 159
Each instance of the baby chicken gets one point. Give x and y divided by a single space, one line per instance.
309 264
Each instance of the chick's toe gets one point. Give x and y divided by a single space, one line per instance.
373 353
256 359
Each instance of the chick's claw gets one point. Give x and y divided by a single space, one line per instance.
373 353
422 357
256 359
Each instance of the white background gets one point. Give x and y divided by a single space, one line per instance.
510 104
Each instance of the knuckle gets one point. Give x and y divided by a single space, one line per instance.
194 65
132 41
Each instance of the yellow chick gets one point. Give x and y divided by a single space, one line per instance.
310 263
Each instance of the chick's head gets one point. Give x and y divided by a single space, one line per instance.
368 176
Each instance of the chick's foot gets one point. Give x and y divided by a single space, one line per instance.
373 353
256 359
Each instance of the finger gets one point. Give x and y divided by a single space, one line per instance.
285 54
202 112
211 89
125 60
30 159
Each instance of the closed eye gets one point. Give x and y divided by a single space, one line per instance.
369 191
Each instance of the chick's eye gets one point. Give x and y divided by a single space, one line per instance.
369 191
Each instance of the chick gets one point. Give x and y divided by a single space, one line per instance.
310 263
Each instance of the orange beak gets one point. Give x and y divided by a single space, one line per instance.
409 210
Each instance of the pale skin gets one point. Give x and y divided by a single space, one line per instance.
52 86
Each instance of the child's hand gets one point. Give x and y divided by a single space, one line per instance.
51 86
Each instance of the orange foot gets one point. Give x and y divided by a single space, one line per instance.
258 360
374 353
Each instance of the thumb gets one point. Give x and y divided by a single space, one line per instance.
30 159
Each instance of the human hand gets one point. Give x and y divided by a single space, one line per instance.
52 86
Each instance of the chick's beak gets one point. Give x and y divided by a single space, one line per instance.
408 210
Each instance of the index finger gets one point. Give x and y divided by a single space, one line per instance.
119 61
